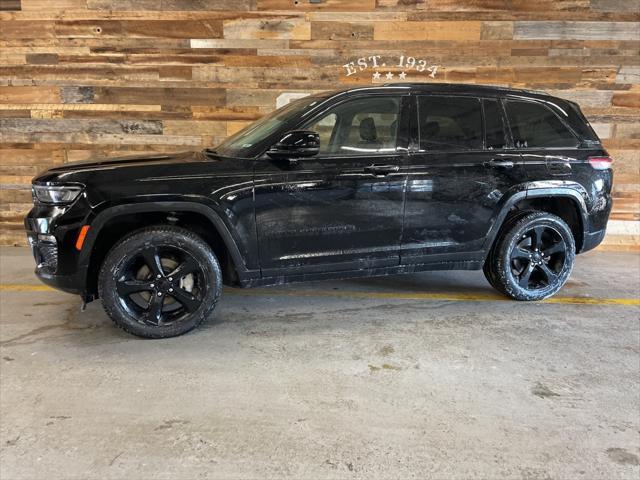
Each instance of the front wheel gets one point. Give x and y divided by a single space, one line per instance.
160 282
534 257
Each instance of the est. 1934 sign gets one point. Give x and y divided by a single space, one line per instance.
378 65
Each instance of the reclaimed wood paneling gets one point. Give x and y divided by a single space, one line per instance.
576 31
8 5
96 78
170 5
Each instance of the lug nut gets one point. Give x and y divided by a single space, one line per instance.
153 285
171 290
159 294
158 276
171 279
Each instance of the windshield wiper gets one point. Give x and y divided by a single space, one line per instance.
210 151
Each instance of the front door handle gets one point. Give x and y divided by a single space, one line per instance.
500 163
381 170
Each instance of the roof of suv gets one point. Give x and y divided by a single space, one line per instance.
468 88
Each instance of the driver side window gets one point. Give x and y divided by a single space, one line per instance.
359 127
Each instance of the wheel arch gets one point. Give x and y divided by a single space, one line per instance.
113 223
566 200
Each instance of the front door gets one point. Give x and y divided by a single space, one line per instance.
341 209
456 178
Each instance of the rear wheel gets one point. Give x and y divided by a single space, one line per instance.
533 258
160 282
489 267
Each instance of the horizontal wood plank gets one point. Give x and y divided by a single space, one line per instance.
537 30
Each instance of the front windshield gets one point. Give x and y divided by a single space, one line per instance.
241 142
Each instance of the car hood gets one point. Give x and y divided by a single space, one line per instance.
108 163
78 171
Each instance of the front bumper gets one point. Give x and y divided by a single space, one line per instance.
45 250
51 233
67 283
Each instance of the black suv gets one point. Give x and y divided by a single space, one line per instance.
369 181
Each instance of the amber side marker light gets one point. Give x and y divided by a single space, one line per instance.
600 163
81 236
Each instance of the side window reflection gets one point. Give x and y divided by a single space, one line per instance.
359 127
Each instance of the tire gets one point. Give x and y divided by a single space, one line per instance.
489 272
160 282
533 257
488 268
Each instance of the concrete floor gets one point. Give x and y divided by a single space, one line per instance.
397 377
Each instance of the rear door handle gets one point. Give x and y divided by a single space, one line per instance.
381 170
500 163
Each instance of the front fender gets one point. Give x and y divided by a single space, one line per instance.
105 215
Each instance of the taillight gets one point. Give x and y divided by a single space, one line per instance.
600 163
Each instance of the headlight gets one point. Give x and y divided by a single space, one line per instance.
56 194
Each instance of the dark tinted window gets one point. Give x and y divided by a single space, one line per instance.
534 125
449 123
493 125
579 123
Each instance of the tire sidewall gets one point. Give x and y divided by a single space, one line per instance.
490 265
121 254
506 278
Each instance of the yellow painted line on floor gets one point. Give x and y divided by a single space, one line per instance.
456 297
18 287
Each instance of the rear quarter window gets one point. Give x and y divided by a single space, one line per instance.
580 124
533 125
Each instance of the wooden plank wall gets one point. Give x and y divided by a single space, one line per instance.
92 78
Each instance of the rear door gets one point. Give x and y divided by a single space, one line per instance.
457 177
342 209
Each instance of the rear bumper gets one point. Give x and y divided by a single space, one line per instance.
592 240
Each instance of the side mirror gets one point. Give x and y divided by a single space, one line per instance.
296 144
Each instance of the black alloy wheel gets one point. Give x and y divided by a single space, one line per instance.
160 282
538 258
533 257
161 286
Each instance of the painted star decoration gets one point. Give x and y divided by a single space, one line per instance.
376 75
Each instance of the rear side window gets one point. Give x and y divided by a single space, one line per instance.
493 125
449 123
534 125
